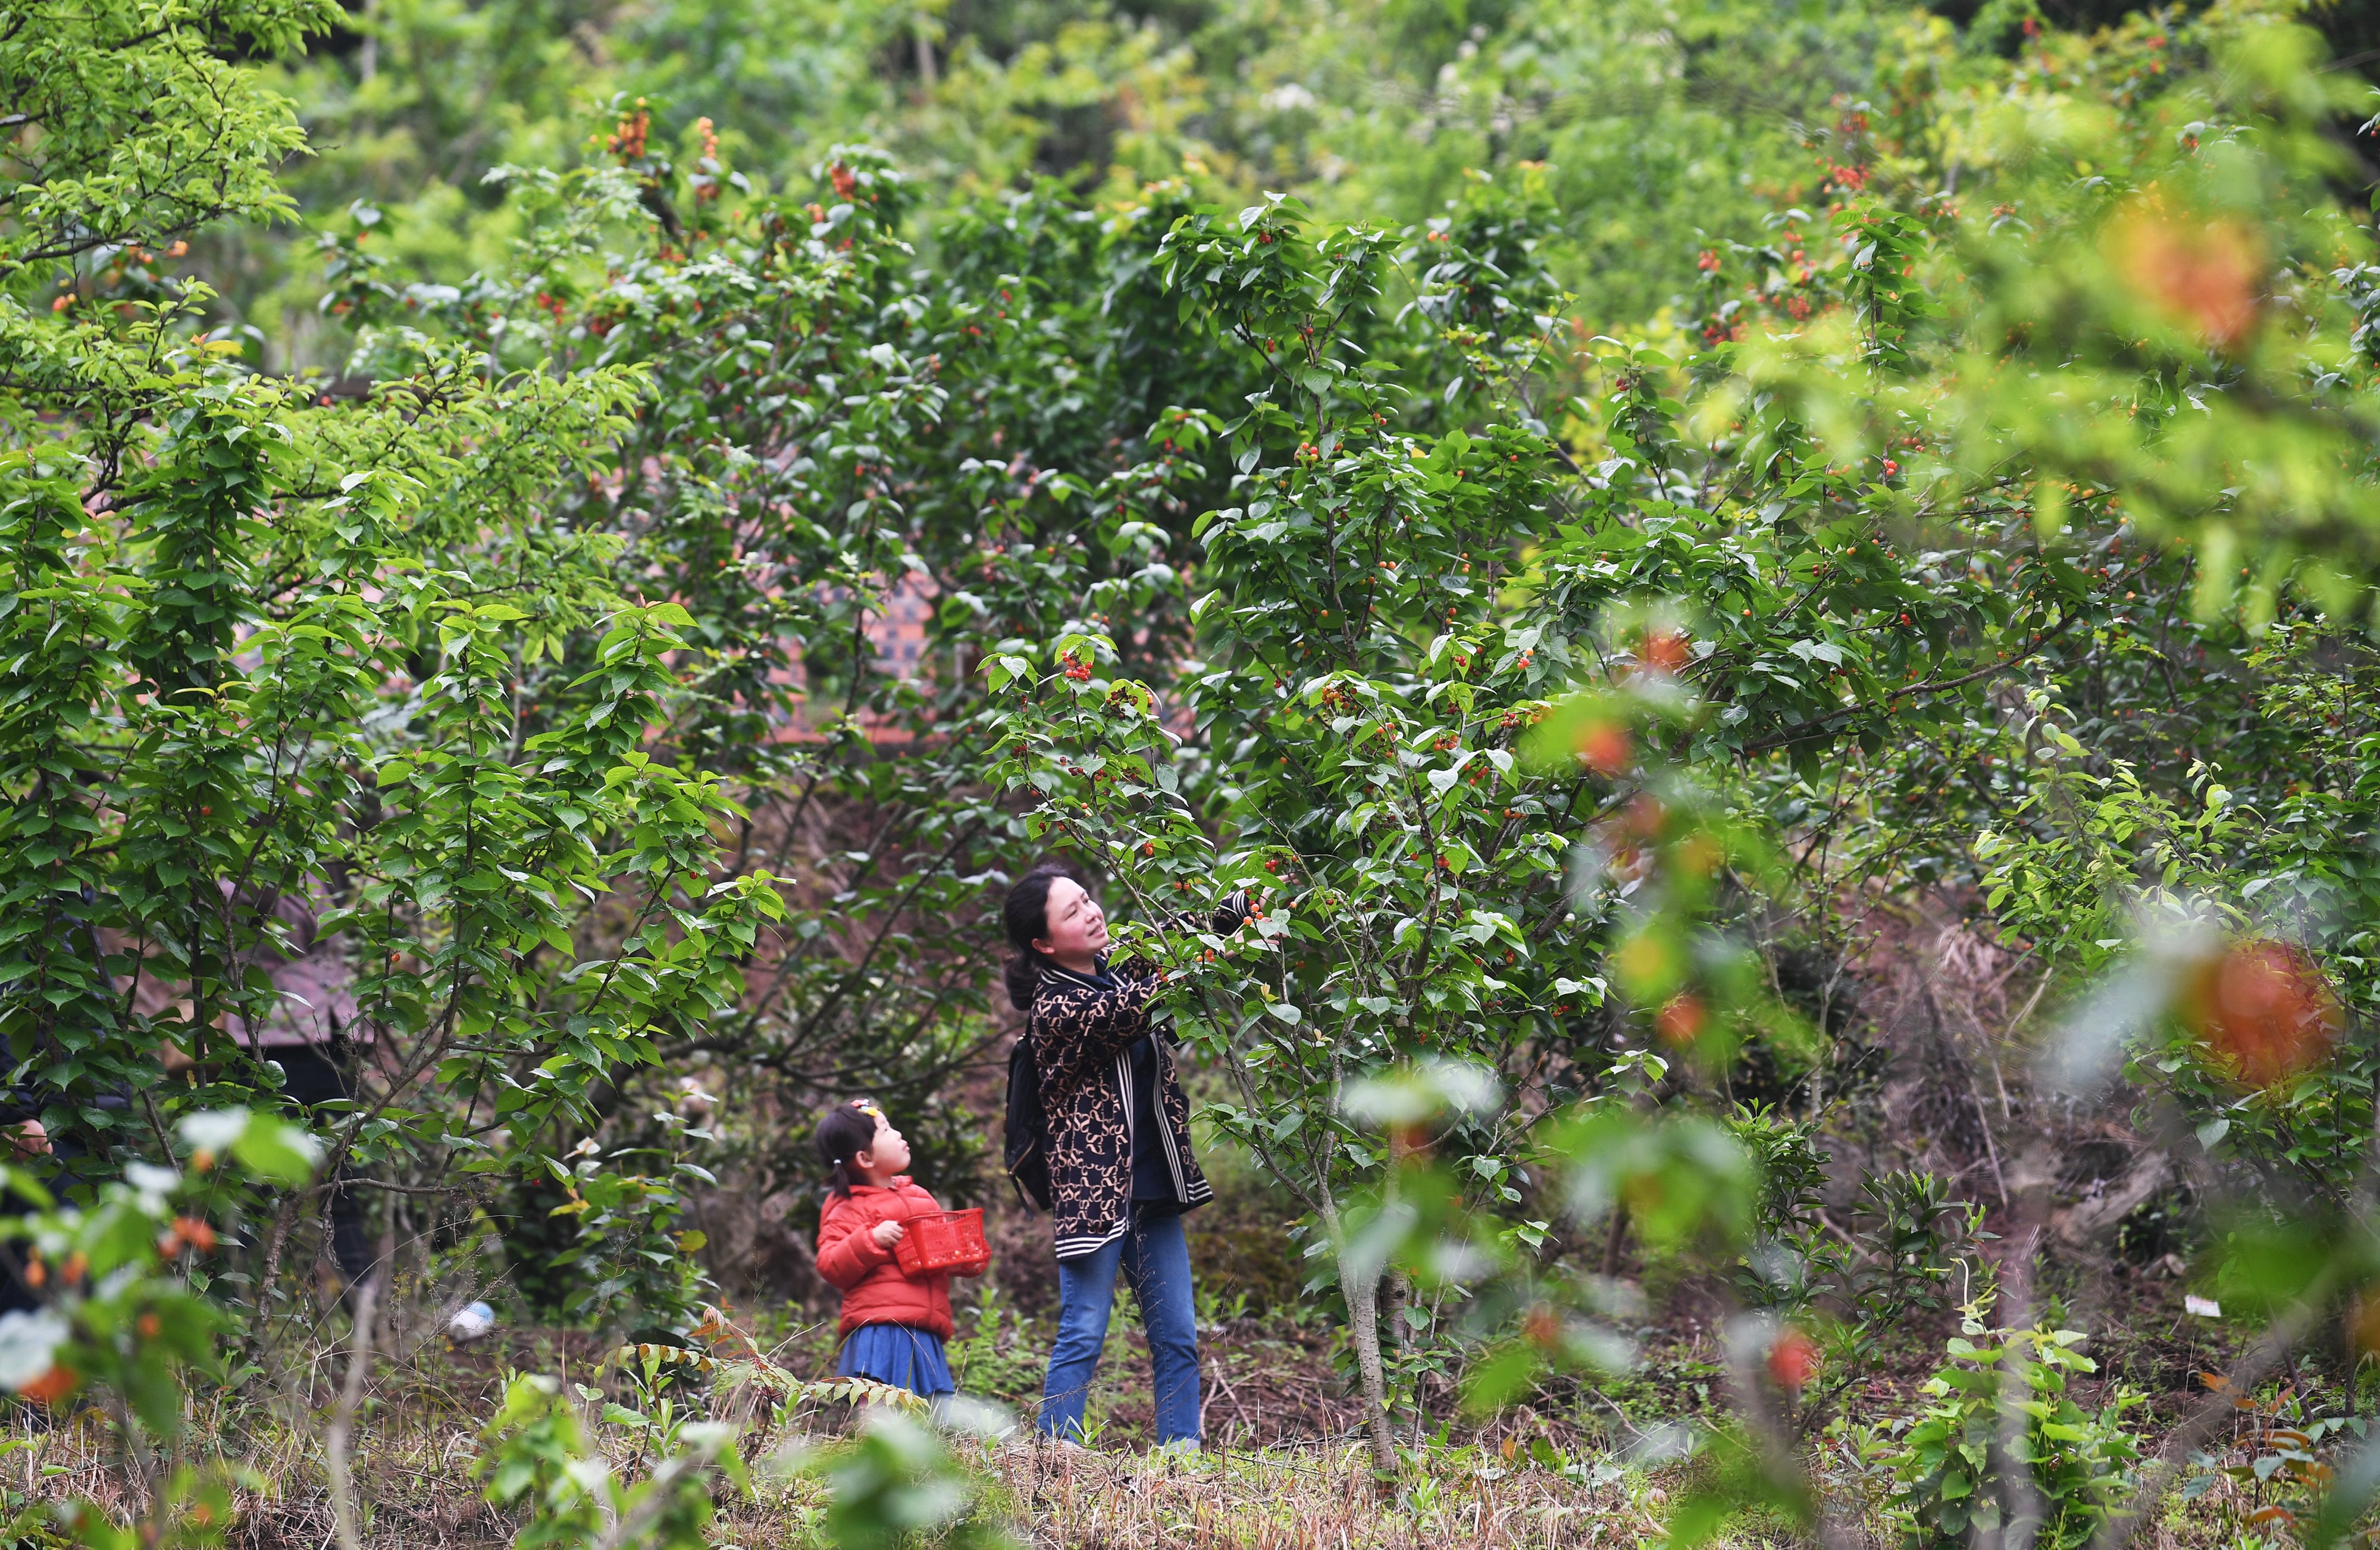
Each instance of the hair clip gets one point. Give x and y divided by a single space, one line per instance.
868 1106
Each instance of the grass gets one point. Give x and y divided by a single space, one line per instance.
1276 1499
1281 1468
1280 1499
416 1479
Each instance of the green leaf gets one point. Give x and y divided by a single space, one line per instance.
276 1150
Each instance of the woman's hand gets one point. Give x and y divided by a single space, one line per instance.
887 1233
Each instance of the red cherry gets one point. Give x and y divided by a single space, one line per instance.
1604 747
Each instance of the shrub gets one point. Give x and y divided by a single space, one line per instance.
1953 1465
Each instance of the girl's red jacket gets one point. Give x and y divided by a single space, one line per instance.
875 1289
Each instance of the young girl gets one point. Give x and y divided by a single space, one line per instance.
894 1324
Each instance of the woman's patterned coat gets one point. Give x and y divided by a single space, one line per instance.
1081 1032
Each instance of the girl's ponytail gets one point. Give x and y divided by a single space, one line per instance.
847 1130
1025 917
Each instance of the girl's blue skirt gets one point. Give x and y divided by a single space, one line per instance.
895 1353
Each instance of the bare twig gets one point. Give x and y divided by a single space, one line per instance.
343 1416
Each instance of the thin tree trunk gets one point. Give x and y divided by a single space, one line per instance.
1364 1328
283 1220
1361 1285
343 1526
1399 1297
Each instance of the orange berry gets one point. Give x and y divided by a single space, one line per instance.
2207 275
2265 1008
1680 1021
1794 1360
52 1386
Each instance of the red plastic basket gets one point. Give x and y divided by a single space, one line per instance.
944 1240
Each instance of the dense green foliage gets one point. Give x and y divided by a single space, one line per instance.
1653 121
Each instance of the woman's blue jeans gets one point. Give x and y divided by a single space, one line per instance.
1155 1257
